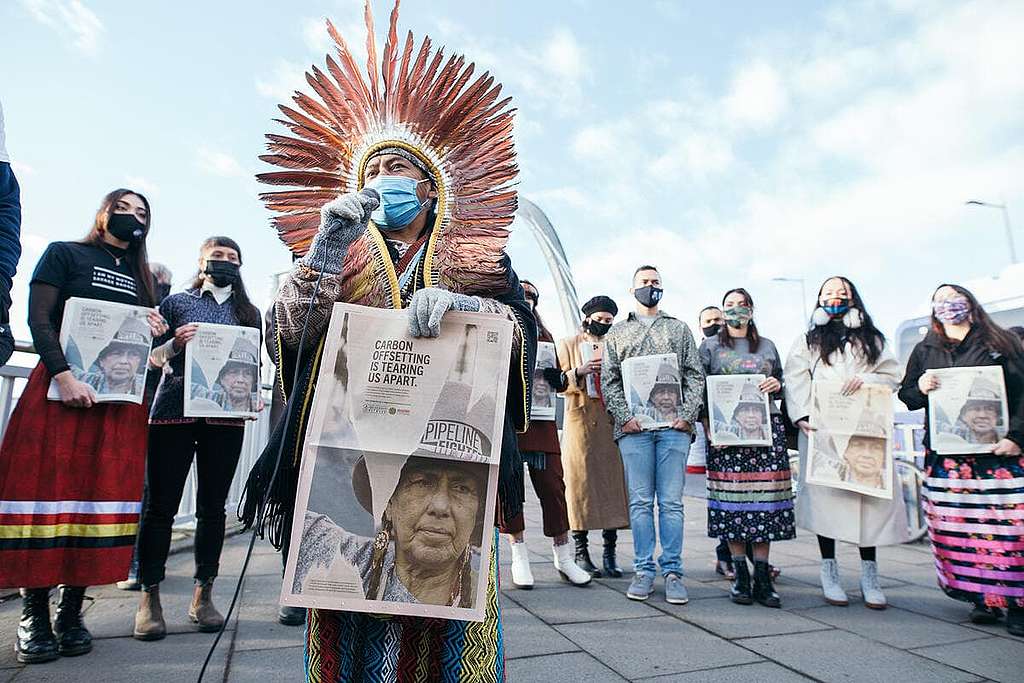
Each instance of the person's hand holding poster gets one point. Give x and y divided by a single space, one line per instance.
967 412
543 404
396 496
738 411
107 347
851 445
222 372
653 391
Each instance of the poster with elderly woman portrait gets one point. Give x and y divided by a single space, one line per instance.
222 372
967 412
850 446
107 347
543 405
396 496
653 391
738 411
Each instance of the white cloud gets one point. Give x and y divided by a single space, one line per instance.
314 34
757 97
216 162
70 18
143 185
283 81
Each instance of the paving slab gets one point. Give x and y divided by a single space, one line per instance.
840 656
284 664
528 636
893 626
655 646
729 620
759 671
557 604
997 659
574 666
929 601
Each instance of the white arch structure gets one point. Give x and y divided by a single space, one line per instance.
532 216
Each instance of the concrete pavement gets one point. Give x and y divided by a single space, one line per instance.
557 632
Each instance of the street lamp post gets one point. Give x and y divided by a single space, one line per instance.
803 291
1006 223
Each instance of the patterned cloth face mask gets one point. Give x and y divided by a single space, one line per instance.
952 311
836 307
737 316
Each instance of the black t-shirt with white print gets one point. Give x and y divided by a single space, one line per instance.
83 270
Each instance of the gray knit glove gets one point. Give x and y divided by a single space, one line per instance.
342 221
429 305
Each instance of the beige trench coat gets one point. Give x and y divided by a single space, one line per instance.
595 486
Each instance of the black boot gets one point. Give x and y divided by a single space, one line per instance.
611 567
764 592
740 593
72 635
583 554
35 643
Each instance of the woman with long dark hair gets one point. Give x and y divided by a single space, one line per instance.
216 295
71 470
543 457
750 498
974 501
843 345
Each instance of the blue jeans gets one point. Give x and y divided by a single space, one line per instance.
655 465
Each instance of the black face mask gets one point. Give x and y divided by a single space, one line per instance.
711 330
222 273
162 290
598 329
648 296
126 227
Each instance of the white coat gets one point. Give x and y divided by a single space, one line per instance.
835 513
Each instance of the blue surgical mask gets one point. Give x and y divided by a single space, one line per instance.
399 203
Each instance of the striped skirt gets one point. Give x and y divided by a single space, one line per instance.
351 647
70 490
975 508
750 491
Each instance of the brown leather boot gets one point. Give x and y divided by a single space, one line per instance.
202 611
149 618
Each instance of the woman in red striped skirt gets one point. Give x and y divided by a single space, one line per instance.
975 500
71 470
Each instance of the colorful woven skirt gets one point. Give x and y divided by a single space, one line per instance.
366 648
70 490
975 507
750 491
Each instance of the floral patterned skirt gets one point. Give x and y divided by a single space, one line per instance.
975 506
750 491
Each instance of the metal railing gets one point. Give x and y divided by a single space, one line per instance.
12 382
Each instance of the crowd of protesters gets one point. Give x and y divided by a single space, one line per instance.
88 490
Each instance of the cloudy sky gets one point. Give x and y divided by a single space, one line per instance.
727 145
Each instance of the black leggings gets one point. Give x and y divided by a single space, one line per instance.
827 546
171 449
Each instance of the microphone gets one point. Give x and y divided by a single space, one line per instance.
372 196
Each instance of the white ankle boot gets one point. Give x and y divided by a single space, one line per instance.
522 577
567 567
830 586
869 586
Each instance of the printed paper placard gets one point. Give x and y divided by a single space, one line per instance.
592 351
967 413
394 511
107 347
738 411
543 405
222 371
851 445
653 391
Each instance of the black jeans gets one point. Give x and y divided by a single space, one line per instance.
171 449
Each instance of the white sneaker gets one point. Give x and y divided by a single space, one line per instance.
522 577
874 598
830 586
567 567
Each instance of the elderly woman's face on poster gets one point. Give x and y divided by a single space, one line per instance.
865 456
981 418
120 365
750 418
434 511
665 399
238 382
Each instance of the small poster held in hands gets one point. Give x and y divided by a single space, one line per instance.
592 351
107 347
222 372
967 413
851 445
543 405
738 411
653 391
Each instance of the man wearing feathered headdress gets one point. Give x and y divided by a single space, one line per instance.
400 197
